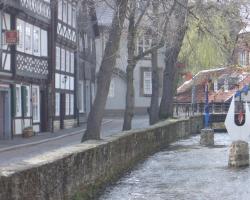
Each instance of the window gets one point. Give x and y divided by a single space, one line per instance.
147 83
71 104
243 58
64 11
36 103
57 104
28 38
69 14
32 39
20 29
67 61
67 101
58 58
71 83
36 41
74 17
62 59
81 97
143 44
60 9
72 67
26 101
18 101
86 41
111 93
44 43
58 81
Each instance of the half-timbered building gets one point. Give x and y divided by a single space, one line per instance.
24 66
47 64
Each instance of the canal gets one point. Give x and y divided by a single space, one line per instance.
185 171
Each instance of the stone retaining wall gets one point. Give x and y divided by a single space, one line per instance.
81 169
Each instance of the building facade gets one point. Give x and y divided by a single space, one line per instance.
142 74
39 73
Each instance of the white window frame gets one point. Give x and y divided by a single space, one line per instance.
37 89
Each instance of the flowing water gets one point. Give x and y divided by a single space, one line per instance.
185 171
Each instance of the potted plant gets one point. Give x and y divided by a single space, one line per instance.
28 132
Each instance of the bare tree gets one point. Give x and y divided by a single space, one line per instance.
136 26
104 77
174 38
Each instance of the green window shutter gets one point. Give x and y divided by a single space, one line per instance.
24 101
13 100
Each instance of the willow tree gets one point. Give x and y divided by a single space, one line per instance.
211 36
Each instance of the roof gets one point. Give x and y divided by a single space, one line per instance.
240 75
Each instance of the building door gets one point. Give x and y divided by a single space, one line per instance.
62 109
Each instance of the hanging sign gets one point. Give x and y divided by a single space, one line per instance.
11 37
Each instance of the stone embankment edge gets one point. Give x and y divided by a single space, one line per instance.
84 168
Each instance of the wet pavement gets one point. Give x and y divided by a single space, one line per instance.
185 171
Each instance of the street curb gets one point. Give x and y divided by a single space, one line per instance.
45 140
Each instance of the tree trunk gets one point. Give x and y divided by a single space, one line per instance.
130 94
174 42
154 104
130 100
104 77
